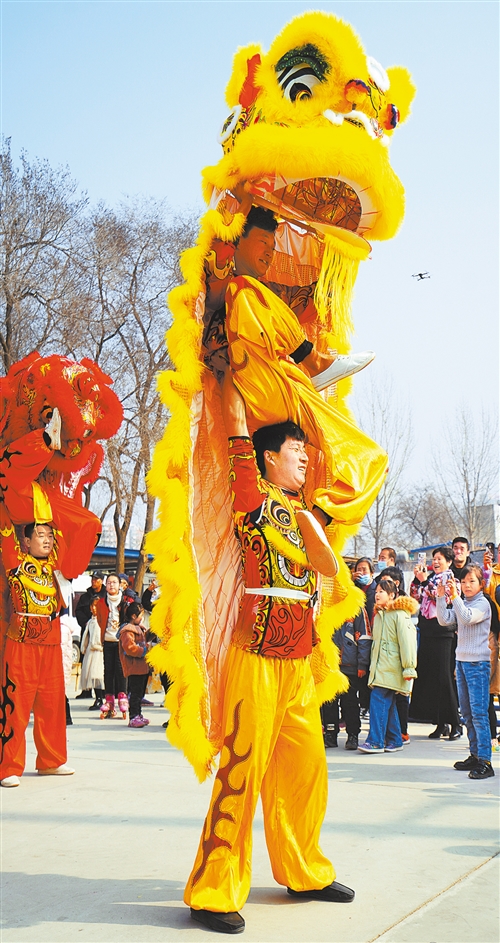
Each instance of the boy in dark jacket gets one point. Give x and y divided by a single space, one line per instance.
354 641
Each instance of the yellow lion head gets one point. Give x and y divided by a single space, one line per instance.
310 125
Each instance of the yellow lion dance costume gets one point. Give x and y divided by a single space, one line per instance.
308 135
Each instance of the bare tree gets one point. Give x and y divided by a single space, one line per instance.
423 517
40 227
468 467
387 420
133 262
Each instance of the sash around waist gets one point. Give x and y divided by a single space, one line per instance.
280 591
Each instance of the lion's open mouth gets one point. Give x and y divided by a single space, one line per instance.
324 204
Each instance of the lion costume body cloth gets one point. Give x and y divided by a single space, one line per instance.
308 136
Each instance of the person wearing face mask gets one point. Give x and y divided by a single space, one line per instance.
363 577
434 696
387 558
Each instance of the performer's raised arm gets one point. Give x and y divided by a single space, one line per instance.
233 408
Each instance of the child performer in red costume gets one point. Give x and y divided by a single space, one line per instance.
32 669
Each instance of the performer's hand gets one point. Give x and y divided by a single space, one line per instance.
241 192
53 430
233 407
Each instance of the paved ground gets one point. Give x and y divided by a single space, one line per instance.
102 856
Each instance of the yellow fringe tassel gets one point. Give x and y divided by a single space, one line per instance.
335 286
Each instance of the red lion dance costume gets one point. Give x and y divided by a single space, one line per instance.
53 410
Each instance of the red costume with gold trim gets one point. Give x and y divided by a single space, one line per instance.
32 670
42 476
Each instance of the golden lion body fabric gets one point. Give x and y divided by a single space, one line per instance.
318 156
262 332
273 746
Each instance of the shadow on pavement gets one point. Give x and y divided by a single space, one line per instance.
133 902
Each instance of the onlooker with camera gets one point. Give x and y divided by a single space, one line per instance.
492 575
434 696
472 616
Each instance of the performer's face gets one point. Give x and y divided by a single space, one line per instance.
287 468
41 542
254 253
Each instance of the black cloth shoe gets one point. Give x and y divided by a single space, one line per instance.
351 742
221 923
470 763
96 706
483 770
335 892
455 733
330 738
442 730
83 694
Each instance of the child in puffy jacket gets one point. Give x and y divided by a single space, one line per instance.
133 648
354 641
393 663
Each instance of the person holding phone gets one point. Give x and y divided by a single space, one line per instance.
472 617
434 696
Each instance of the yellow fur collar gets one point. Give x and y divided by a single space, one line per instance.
404 603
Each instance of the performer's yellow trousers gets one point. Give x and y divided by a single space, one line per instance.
273 746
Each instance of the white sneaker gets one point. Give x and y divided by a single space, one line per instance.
344 365
63 770
10 781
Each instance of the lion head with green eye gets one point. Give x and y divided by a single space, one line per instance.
310 125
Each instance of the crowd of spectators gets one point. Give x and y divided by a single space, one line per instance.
428 652
430 656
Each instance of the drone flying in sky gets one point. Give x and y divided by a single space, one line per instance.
421 276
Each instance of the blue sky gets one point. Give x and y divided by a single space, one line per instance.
131 97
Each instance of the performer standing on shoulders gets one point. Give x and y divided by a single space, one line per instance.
32 670
273 742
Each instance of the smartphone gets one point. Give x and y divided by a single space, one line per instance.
446 576
422 560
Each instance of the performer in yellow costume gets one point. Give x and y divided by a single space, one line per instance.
307 138
271 721
266 344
